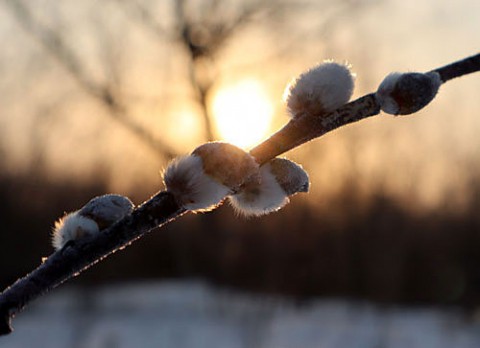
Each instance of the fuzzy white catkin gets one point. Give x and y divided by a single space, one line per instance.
406 93
260 199
280 178
319 90
191 186
72 226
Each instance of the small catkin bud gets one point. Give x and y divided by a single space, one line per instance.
280 178
406 93
72 226
192 188
289 175
320 90
98 214
214 170
107 209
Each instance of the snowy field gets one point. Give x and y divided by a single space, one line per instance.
181 315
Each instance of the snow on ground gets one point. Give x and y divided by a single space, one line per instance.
192 314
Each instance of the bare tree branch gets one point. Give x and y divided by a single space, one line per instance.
201 40
77 256
54 45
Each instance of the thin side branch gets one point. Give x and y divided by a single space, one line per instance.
460 68
162 208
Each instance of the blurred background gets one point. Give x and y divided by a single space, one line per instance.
96 97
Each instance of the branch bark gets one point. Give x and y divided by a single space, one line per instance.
162 208
459 68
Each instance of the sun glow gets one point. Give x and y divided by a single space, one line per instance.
243 113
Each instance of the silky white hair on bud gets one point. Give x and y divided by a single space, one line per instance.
72 226
384 97
321 89
193 189
260 199
406 93
280 178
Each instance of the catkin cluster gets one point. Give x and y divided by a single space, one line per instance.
217 171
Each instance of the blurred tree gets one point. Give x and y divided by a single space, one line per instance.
197 31
106 92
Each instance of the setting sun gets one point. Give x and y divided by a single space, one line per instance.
243 113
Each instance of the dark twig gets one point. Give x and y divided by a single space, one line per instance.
460 68
162 208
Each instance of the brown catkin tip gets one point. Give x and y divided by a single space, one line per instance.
228 164
290 175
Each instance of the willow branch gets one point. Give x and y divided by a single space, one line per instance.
77 256
308 127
